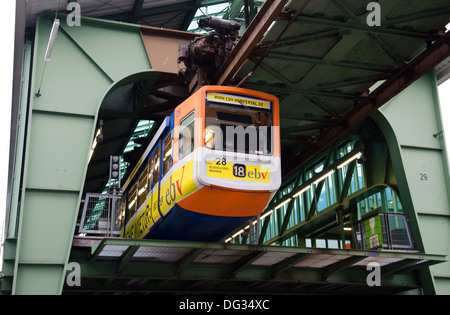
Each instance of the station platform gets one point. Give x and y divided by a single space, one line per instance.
113 265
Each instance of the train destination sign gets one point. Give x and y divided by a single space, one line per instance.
238 100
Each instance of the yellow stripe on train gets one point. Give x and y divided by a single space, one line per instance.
247 172
178 185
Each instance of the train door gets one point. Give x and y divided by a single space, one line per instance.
160 162
154 180
155 168
166 158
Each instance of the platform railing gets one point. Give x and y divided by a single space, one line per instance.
382 230
100 215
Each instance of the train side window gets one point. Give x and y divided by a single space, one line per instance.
186 136
150 172
142 191
156 172
123 207
132 199
167 157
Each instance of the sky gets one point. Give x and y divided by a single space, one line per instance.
6 66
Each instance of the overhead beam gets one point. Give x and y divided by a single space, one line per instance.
353 81
301 128
287 263
297 91
245 261
365 28
234 10
254 33
137 8
302 39
125 258
341 265
333 63
417 67
190 16
306 117
184 262
137 12
418 16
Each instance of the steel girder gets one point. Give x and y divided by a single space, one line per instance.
60 128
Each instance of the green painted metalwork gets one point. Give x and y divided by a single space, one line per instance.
12 215
403 171
142 130
61 124
325 193
167 266
37 249
420 159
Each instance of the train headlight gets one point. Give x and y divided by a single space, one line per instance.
209 138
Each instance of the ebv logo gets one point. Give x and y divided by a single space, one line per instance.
240 170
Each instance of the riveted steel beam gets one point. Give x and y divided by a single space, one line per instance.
53 175
417 67
254 33
219 267
366 28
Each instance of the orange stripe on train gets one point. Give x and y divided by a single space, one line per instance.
225 202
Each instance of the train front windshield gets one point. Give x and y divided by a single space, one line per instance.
238 128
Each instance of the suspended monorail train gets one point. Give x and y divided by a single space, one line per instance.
212 166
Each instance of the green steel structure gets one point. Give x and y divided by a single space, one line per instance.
345 88
420 160
60 128
128 266
403 169
327 190
399 160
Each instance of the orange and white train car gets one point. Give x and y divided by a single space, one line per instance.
213 165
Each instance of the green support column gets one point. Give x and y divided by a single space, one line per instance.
409 122
87 61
